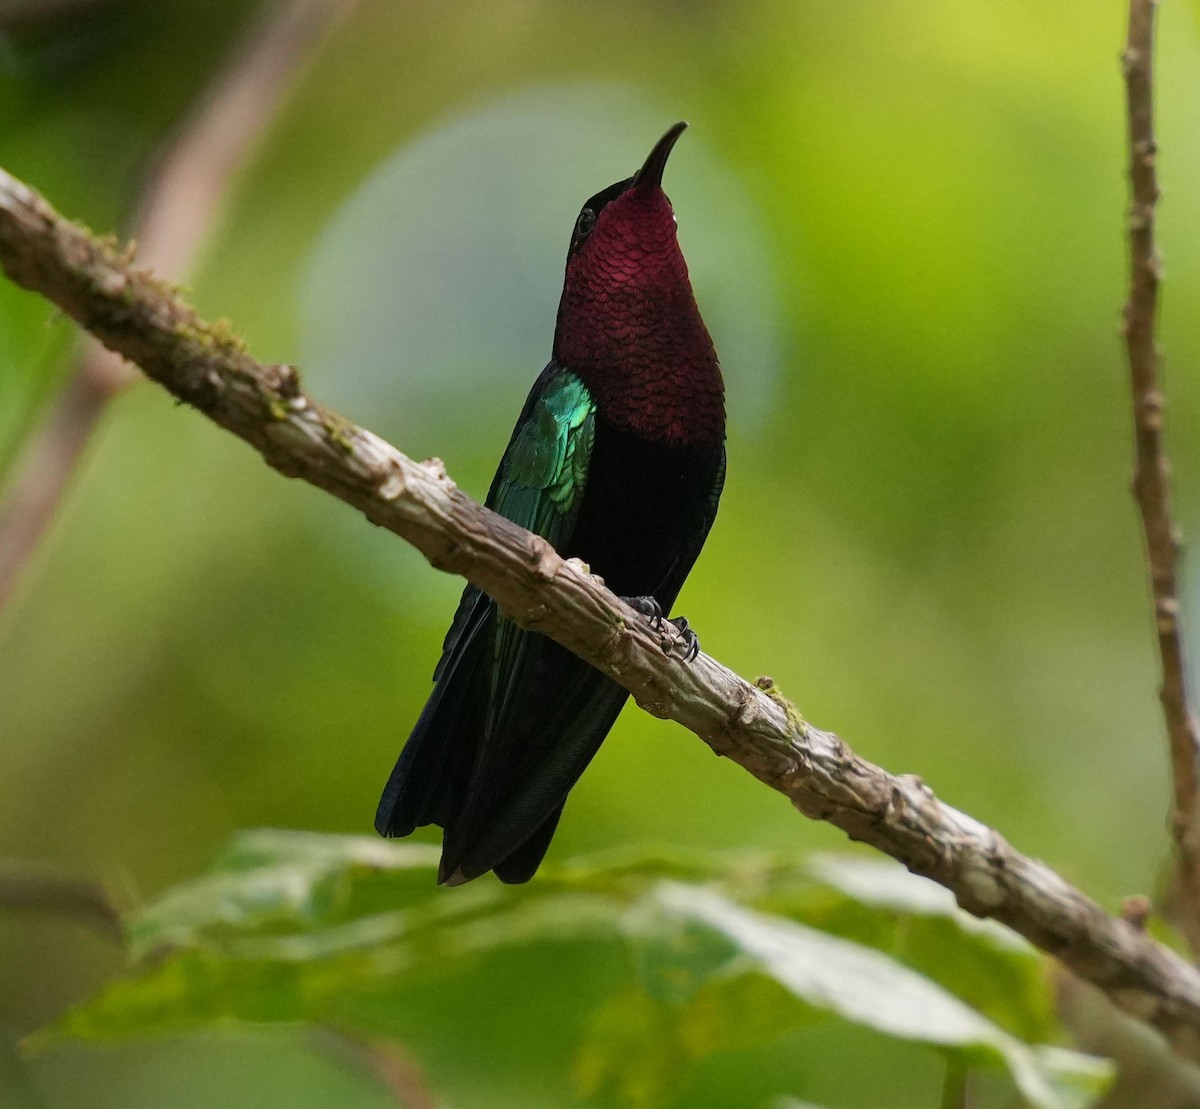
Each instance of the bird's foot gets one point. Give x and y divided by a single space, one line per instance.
691 641
649 608
653 612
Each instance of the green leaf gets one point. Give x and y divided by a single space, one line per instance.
277 882
886 885
690 936
727 953
919 923
288 924
639 1045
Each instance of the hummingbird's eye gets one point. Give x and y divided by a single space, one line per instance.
585 223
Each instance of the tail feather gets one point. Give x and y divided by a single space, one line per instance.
496 781
524 773
522 864
434 769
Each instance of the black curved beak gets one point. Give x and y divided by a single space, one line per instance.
651 173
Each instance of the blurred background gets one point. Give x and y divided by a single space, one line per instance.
904 225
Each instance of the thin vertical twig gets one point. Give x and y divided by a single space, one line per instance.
956 1085
1151 476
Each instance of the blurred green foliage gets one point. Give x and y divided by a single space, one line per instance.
297 926
904 224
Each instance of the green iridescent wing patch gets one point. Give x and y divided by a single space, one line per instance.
540 486
544 472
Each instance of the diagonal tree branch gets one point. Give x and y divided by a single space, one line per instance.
206 367
1151 475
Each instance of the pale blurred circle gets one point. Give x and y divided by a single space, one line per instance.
430 297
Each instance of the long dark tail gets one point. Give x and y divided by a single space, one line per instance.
496 780
434 769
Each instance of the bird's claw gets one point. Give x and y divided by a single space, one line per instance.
653 612
649 608
691 641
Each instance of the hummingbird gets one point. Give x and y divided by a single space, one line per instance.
617 459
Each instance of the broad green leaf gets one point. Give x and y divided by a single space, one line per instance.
318 890
292 881
631 1052
918 922
690 936
728 952
287 923
887 885
639 1045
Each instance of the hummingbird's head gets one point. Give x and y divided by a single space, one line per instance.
627 314
628 228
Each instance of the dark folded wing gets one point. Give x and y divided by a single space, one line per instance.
513 719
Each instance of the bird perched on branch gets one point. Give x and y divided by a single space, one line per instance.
618 459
